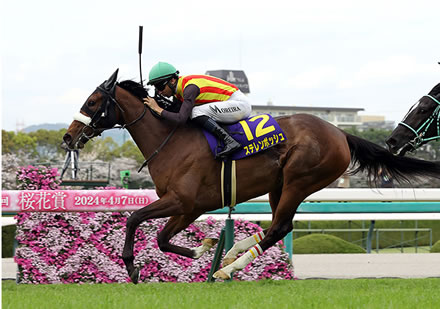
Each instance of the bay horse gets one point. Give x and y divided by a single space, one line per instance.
187 177
420 125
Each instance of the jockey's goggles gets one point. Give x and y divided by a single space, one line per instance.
160 86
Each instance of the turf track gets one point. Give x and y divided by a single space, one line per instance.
353 293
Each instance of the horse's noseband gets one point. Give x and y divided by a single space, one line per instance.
420 132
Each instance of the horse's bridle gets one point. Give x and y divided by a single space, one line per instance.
106 112
423 128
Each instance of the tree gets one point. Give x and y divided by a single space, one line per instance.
377 136
104 149
130 150
48 143
7 141
24 143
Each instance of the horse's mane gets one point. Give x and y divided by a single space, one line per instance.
134 88
435 90
140 92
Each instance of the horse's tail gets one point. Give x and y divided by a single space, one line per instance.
374 160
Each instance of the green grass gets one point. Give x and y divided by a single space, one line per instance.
355 293
323 243
436 247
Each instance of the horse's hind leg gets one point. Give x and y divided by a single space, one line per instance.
241 246
245 244
281 225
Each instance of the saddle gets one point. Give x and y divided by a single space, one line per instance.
255 134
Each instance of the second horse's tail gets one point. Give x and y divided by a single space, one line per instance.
371 158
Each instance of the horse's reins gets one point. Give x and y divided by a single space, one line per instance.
111 96
418 139
157 150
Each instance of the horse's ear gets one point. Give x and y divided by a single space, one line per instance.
110 83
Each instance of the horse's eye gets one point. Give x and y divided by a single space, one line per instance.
423 108
91 103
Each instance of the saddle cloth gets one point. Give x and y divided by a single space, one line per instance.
255 134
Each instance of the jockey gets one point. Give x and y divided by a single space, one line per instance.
206 100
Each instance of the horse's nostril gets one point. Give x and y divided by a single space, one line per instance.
391 141
67 138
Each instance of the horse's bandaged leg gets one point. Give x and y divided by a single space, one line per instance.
240 263
207 244
241 246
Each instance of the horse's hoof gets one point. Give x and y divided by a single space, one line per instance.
134 276
228 261
211 242
220 274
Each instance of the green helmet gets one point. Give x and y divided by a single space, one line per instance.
162 71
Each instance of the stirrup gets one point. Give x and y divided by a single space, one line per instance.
226 152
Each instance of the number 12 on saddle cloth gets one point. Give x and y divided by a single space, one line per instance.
255 134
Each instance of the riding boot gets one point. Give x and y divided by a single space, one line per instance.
212 127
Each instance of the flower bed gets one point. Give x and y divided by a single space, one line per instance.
87 247
37 178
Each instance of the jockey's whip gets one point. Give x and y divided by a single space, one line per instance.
140 52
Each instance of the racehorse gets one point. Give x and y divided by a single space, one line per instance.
420 125
187 177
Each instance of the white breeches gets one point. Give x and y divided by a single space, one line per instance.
236 108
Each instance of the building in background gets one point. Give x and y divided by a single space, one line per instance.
375 122
236 77
339 116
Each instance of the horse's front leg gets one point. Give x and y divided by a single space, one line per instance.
166 206
173 227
